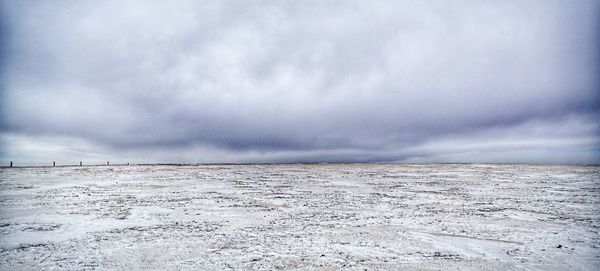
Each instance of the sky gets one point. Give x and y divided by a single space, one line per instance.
299 81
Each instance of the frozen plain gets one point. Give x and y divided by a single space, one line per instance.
301 216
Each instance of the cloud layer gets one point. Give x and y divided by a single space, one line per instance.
271 81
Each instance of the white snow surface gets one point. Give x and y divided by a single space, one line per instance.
301 216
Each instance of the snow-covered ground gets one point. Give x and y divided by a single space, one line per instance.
319 217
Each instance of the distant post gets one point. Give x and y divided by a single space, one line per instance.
128 164
80 163
53 163
108 163
10 163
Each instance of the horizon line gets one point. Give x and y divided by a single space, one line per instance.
296 163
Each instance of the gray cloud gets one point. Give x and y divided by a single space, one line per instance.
301 81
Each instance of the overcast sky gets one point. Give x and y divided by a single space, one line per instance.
299 81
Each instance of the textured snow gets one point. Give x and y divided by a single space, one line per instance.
303 216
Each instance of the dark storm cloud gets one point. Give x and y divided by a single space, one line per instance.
301 81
